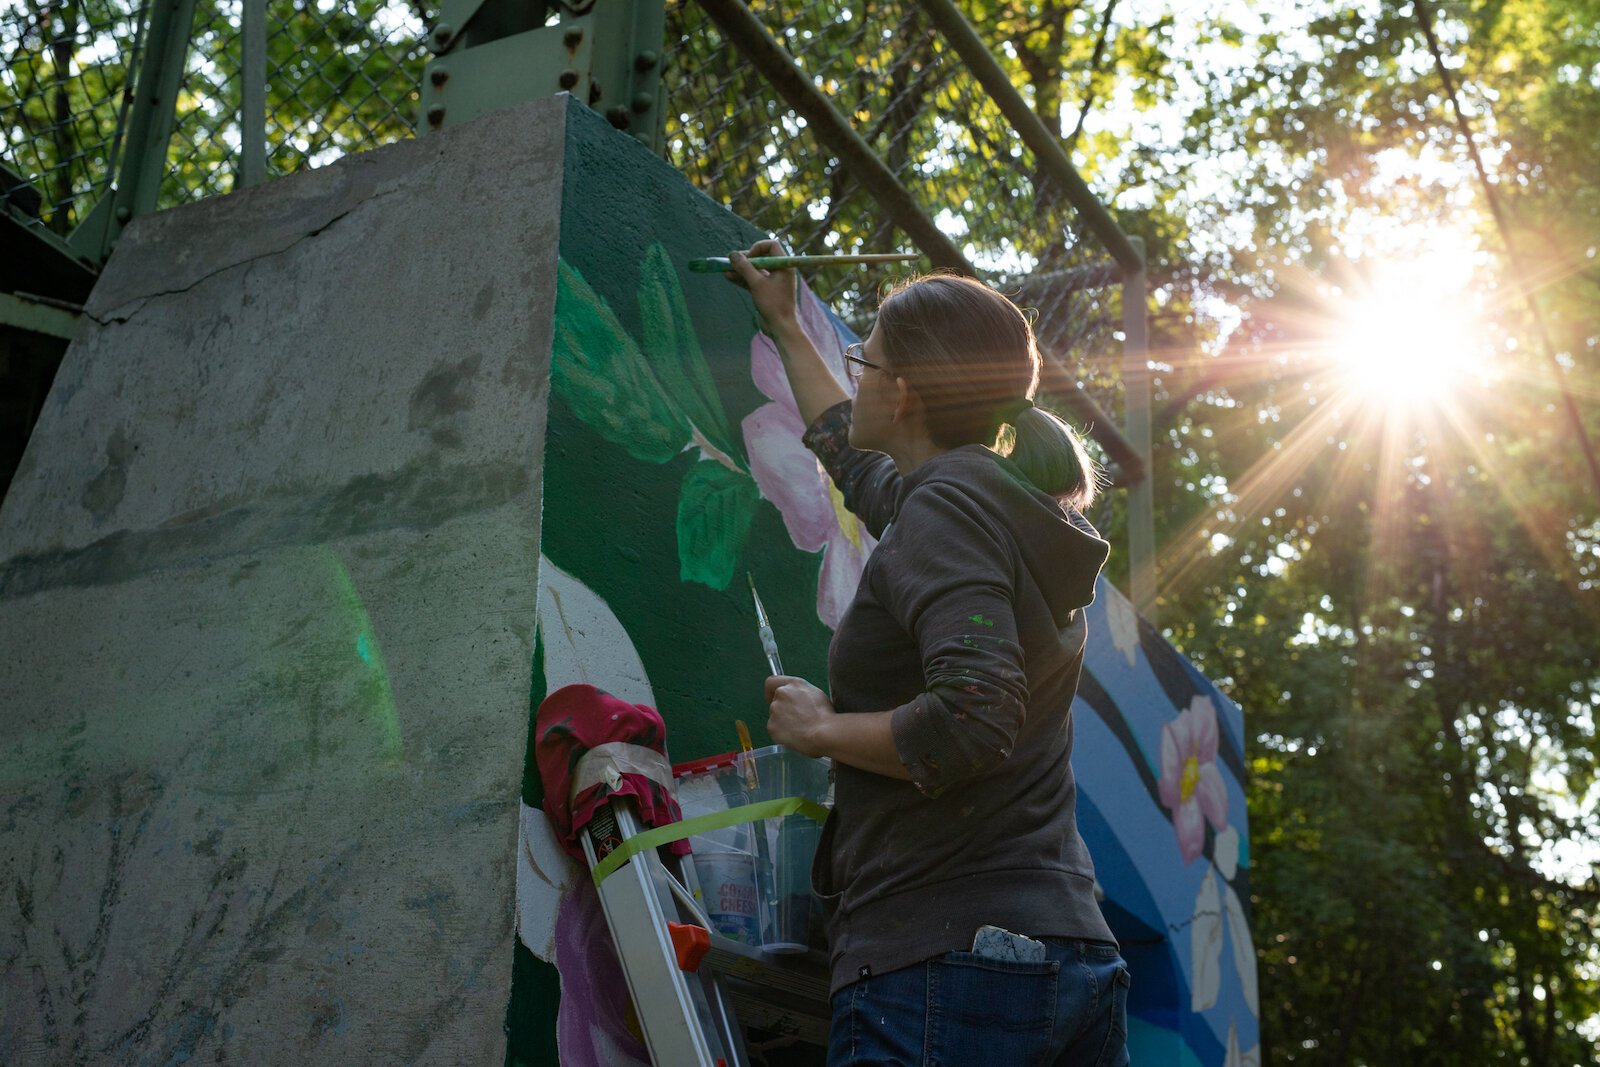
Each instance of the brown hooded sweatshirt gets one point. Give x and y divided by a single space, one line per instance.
969 625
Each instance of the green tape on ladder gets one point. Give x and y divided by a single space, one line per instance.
717 820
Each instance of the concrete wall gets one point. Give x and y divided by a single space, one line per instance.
267 610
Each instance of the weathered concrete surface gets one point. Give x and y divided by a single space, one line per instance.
266 614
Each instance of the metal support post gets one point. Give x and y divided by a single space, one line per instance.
1035 134
757 44
1136 388
253 105
489 54
154 112
53 318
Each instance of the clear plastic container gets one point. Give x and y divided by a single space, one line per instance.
768 861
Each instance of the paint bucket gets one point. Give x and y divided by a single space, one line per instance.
730 893
791 902
772 855
788 902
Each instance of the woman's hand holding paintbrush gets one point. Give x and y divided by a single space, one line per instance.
798 714
775 293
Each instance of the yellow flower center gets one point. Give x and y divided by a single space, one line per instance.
1190 778
849 525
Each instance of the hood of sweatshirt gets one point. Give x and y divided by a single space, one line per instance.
1060 548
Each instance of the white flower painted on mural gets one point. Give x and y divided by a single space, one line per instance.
1237 1058
1244 949
1225 852
1218 917
789 475
1205 946
583 643
545 873
1124 623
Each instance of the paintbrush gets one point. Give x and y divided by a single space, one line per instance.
751 779
717 264
769 644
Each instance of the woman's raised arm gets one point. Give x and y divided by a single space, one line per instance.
774 292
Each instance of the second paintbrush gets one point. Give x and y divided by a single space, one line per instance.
718 264
769 644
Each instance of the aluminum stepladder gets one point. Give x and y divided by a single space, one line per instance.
683 1014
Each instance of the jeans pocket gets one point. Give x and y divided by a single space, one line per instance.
983 1010
1115 1051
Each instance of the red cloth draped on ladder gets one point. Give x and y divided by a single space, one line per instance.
590 746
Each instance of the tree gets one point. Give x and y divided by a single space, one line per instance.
1405 607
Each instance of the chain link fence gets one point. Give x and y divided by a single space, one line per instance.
341 76
66 80
914 102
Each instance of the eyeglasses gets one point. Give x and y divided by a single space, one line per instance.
855 363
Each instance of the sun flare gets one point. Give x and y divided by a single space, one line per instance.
1410 335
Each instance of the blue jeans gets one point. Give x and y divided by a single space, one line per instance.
957 1009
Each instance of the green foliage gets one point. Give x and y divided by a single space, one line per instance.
679 364
1404 605
715 510
342 75
598 369
652 399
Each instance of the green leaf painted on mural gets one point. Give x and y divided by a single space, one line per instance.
673 349
714 512
598 370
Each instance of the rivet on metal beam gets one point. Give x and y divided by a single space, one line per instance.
643 102
568 79
124 212
645 61
442 35
573 37
436 116
618 117
439 76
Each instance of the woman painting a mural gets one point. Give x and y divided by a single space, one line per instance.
963 926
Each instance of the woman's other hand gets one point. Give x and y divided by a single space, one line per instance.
775 292
799 714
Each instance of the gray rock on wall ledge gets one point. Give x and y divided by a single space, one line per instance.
267 581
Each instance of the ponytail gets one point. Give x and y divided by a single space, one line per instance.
1051 456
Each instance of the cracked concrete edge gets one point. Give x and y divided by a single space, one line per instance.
477 179
163 260
233 258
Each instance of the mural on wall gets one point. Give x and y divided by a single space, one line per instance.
1160 768
673 463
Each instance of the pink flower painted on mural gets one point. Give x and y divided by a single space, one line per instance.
1191 786
789 475
592 1028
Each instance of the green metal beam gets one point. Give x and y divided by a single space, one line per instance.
493 53
150 124
1045 145
1136 394
757 44
36 317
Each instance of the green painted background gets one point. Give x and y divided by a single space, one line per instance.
609 518
629 224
